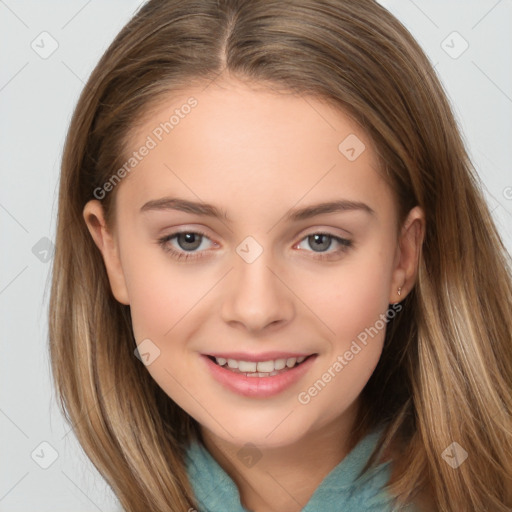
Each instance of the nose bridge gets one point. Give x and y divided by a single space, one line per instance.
256 296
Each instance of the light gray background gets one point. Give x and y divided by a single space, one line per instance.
37 97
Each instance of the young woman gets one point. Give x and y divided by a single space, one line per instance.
277 285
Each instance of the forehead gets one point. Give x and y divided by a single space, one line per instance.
238 144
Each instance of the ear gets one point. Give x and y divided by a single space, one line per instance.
94 218
407 255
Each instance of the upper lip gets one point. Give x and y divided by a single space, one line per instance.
264 356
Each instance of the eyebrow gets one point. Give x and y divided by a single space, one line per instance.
294 215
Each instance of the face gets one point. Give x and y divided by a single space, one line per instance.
267 282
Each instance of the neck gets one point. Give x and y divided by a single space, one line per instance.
285 477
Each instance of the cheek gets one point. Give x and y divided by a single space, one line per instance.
355 294
366 301
161 292
162 300
353 305
355 352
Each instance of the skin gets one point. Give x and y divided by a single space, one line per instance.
258 154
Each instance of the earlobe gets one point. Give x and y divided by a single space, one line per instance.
408 255
94 218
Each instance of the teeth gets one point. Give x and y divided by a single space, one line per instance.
247 366
266 366
256 374
291 362
279 364
261 368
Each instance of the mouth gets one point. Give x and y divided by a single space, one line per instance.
260 368
258 376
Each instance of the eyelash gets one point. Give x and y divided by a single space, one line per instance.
163 242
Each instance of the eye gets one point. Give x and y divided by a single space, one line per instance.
189 243
323 241
186 241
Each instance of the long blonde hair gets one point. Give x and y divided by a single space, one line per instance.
445 373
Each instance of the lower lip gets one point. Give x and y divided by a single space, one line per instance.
258 387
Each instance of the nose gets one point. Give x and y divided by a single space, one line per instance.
256 297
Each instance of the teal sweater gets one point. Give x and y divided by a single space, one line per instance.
338 492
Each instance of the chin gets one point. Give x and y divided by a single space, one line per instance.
269 434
